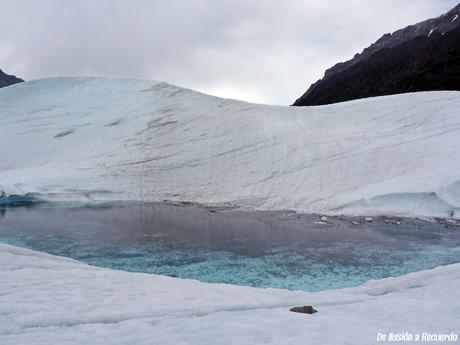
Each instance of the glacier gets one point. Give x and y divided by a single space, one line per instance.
99 139
46 299
106 139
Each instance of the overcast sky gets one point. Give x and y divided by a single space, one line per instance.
254 50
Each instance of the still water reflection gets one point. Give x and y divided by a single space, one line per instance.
263 249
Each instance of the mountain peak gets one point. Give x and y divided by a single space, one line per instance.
7 80
420 57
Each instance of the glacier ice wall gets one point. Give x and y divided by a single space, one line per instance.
119 139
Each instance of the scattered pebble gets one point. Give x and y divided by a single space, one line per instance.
355 222
451 222
323 218
368 219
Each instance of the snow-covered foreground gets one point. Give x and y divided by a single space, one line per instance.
46 299
118 139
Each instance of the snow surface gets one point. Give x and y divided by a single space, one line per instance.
432 30
118 139
46 299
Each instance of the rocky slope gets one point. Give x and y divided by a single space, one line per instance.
7 80
420 57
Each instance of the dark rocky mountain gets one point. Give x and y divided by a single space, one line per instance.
420 57
6 79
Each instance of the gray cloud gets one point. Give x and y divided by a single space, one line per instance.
262 51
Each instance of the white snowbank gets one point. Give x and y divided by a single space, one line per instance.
46 299
101 138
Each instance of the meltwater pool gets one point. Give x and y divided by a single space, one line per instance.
260 249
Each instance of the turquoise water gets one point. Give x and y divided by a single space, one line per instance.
258 249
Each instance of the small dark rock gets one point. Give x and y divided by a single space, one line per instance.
307 309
